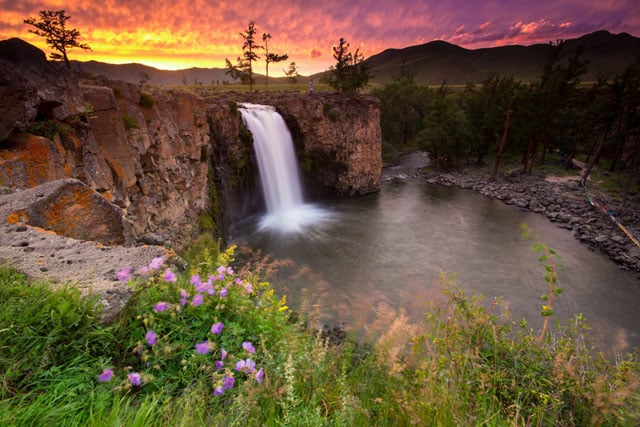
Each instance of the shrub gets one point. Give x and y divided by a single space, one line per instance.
146 100
130 123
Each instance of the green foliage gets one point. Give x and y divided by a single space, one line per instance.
42 331
445 132
49 128
475 366
146 100
130 123
403 106
52 26
351 73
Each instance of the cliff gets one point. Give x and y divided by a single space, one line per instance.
173 162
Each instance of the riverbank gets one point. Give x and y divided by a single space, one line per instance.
563 201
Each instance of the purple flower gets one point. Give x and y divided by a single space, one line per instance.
195 279
161 306
219 364
247 346
223 292
134 378
105 376
227 382
218 390
169 276
203 347
124 275
144 270
197 300
151 337
223 354
221 269
210 289
156 263
248 288
184 297
247 366
238 281
216 328
212 279
260 376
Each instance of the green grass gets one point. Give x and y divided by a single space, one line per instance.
470 365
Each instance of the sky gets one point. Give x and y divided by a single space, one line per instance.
180 34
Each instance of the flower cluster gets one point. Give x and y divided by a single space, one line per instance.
199 299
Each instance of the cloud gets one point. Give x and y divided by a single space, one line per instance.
315 53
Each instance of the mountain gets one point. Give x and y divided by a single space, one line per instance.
432 63
133 73
438 61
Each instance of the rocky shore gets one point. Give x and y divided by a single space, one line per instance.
561 199
563 202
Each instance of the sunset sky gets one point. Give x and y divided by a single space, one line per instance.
179 34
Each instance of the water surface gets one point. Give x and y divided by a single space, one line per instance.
378 262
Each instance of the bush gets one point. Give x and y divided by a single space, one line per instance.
146 100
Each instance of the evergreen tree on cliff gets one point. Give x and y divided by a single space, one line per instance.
52 26
350 73
244 68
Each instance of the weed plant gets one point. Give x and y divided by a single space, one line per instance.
212 346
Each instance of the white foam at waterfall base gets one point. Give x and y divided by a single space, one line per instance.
278 167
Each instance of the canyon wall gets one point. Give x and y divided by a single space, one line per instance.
173 162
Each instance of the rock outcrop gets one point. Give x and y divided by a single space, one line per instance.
337 137
144 151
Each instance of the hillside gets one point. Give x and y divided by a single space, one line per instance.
438 61
432 63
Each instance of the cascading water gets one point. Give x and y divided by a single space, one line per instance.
278 167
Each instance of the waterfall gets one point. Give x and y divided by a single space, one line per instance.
279 172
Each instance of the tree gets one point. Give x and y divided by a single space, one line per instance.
52 26
244 67
270 57
292 73
350 73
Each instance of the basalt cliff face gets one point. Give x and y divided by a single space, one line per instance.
167 163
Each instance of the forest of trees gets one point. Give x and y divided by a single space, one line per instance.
502 117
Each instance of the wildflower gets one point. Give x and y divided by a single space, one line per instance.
144 270
134 378
218 390
197 300
260 376
184 297
203 347
223 354
248 288
219 364
210 290
238 281
195 279
105 376
247 346
227 382
156 263
247 366
161 306
151 337
223 292
169 276
124 274
212 279
216 328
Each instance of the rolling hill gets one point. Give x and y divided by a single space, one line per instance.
432 63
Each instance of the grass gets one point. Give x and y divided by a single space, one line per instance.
470 365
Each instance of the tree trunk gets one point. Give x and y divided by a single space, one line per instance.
503 141
632 172
595 158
